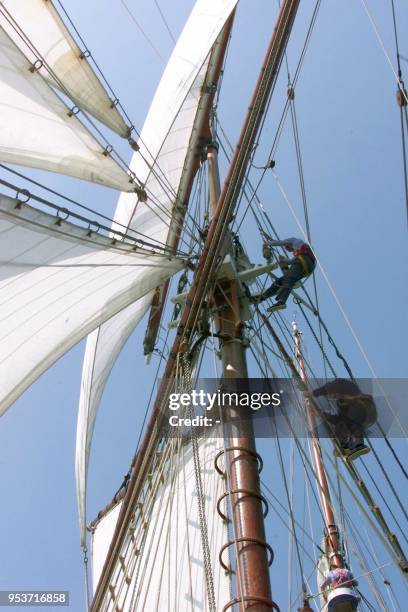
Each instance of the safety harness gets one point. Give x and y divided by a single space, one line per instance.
302 253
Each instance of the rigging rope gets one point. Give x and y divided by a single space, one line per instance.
382 45
165 21
93 227
86 577
153 166
402 106
128 231
209 578
141 30
339 304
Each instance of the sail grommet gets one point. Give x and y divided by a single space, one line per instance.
36 66
73 111
19 201
91 231
60 218
107 150
249 541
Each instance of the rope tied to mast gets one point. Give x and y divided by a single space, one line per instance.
209 578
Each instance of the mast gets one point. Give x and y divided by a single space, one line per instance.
202 281
180 207
251 563
332 532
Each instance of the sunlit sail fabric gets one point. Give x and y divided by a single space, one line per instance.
168 140
37 131
100 356
169 571
38 23
57 284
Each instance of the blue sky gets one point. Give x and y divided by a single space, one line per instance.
349 128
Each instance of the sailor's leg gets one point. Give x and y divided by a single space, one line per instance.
356 435
342 433
264 295
289 280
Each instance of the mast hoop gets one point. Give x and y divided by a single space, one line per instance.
250 541
247 493
238 448
22 192
268 602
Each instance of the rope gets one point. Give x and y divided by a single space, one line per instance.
86 576
143 33
404 159
163 180
404 150
338 302
126 234
304 198
382 45
318 342
286 107
200 495
165 22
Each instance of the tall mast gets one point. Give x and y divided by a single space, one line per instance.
202 282
251 563
180 207
336 557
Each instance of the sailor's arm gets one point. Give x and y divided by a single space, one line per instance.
295 242
326 582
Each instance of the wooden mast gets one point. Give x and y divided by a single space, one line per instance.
180 208
332 533
251 562
202 280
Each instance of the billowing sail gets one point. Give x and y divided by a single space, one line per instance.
168 143
95 372
57 284
37 29
37 130
169 570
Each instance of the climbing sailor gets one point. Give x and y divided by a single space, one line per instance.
355 412
339 582
301 266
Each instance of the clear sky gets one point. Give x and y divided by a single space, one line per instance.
351 147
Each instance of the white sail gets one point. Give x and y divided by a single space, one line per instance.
36 129
57 284
37 29
168 138
100 356
168 573
101 539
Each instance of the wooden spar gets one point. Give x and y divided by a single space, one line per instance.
203 277
375 510
251 561
331 528
180 209
336 557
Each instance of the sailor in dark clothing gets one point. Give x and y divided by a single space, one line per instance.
355 412
301 266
